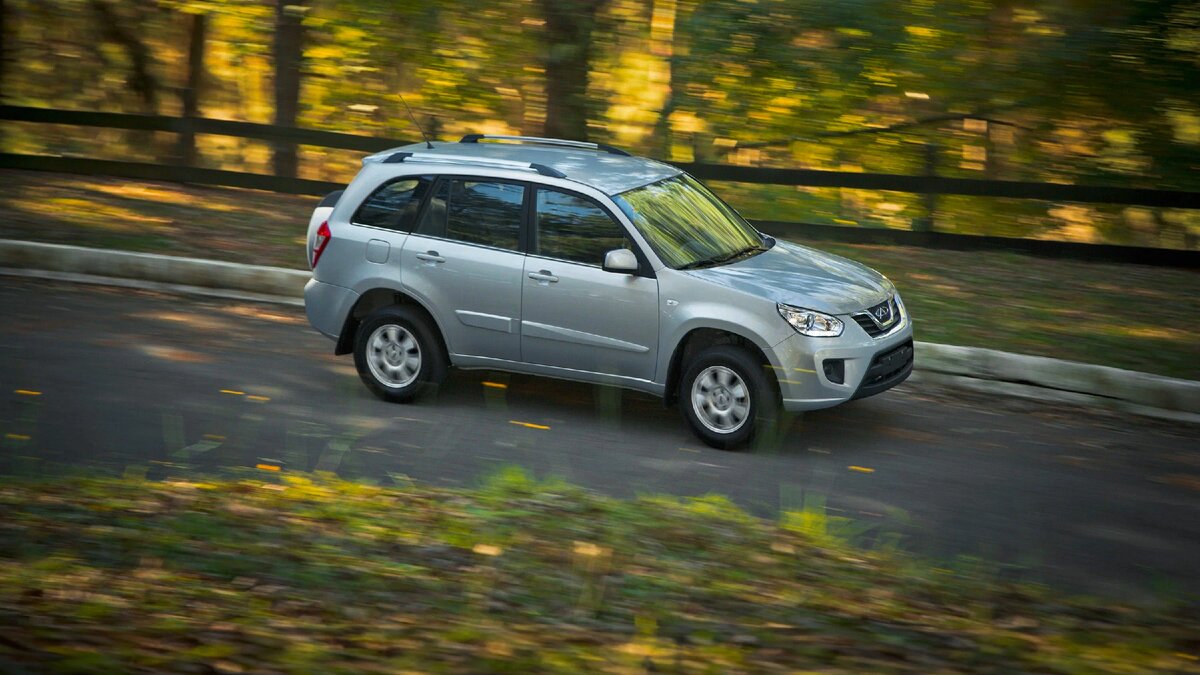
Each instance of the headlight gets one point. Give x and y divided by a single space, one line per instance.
810 323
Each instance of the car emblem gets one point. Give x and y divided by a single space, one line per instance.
883 313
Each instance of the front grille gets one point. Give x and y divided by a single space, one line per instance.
871 325
887 370
868 325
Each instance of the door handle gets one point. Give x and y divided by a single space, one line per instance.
543 276
431 256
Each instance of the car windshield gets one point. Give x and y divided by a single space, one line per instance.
688 226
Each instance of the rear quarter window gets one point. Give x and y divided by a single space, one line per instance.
394 205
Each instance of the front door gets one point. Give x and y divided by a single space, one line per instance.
575 315
463 259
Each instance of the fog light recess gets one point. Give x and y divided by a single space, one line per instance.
835 370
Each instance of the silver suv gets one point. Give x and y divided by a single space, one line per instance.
578 261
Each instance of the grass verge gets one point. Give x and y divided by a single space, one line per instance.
1128 316
313 574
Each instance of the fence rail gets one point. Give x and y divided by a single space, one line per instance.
974 187
928 185
198 125
173 173
941 185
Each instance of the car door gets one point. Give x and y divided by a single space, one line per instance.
384 220
463 260
574 314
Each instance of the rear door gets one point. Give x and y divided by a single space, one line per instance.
575 315
463 259
384 219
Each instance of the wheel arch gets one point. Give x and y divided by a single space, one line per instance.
697 340
378 298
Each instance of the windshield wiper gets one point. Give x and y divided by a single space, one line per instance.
723 257
703 262
747 252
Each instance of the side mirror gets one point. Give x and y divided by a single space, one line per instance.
620 260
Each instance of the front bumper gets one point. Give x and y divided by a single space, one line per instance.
868 366
887 369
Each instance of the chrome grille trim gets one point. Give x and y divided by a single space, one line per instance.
867 321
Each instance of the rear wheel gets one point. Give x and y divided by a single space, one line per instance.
397 354
724 396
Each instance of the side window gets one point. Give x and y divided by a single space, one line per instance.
433 220
475 212
575 228
394 205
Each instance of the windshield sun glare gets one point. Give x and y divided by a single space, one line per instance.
687 225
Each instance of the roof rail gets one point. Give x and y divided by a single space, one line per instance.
397 157
475 138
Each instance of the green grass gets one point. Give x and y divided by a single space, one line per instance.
1129 316
313 574
245 226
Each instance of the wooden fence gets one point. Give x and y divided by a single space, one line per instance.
927 185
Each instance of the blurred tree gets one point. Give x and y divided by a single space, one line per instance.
1100 91
197 36
4 46
125 31
567 62
359 58
288 54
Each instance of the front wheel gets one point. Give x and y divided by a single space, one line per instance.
725 396
397 355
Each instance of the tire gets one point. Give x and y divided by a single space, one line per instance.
725 396
398 355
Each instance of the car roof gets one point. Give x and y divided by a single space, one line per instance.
610 173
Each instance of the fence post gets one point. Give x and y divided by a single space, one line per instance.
927 221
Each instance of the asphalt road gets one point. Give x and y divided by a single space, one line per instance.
99 378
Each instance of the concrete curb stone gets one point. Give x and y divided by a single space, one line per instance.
1102 382
975 368
152 267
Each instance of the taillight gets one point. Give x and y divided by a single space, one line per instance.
321 241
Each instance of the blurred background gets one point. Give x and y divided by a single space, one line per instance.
1087 92
1026 171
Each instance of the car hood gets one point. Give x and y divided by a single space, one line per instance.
803 277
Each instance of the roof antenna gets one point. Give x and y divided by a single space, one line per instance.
413 117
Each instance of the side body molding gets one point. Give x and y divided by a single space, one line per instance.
500 324
540 330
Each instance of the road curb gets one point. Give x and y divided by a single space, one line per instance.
975 368
163 269
1059 380
155 286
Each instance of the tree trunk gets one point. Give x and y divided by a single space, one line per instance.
4 53
662 129
116 29
569 25
191 92
3 47
289 50
667 47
